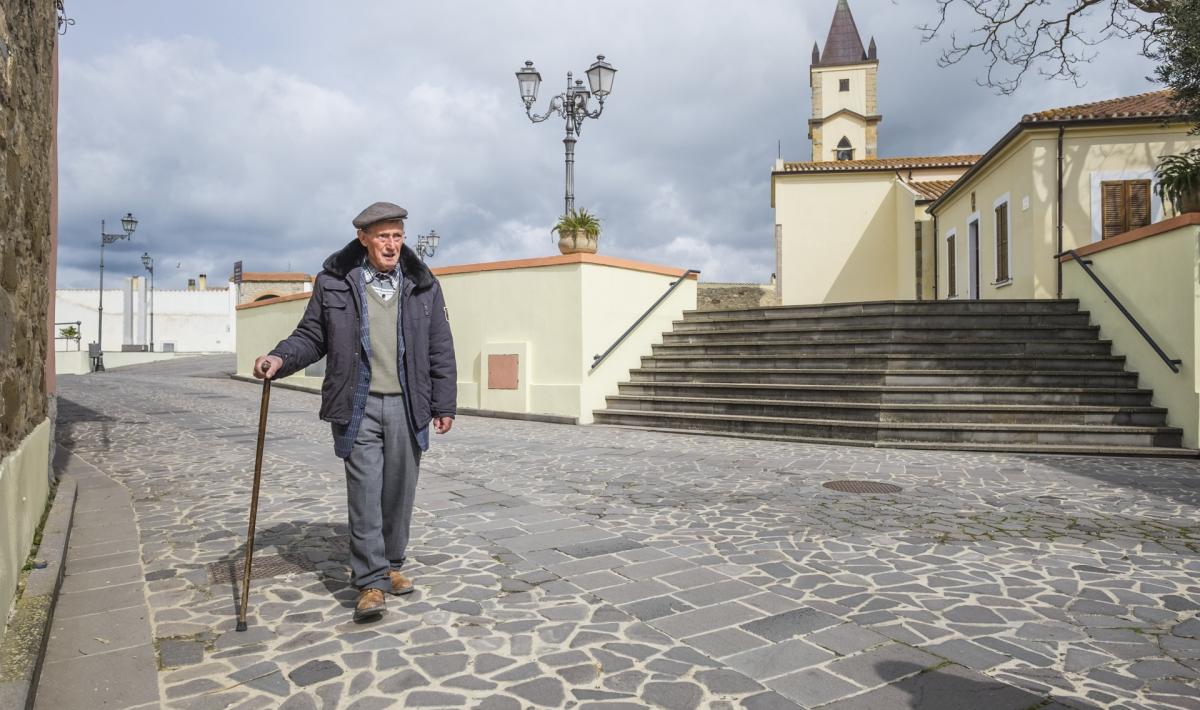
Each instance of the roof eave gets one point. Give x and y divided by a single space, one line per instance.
1036 125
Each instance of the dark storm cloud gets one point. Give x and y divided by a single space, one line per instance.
256 131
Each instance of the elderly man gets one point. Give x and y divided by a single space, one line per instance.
378 317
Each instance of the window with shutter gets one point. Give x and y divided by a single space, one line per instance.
951 272
1002 269
1126 205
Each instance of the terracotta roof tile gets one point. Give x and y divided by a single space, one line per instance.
1155 104
930 189
275 276
919 161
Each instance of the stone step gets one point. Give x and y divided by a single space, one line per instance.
945 433
886 333
889 362
887 412
1056 396
916 378
963 346
1040 449
900 307
910 320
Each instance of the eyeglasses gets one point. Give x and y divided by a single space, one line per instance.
385 238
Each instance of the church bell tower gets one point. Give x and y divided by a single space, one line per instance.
845 113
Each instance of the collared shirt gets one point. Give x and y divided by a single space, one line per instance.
385 283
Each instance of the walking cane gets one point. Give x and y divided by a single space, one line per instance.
262 430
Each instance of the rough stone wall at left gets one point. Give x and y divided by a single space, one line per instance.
27 36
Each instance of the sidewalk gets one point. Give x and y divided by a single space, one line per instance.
100 652
607 568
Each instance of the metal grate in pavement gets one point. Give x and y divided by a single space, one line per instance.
861 487
263 567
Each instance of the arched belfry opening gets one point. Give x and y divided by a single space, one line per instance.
845 151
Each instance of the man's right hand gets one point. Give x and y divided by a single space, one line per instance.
267 366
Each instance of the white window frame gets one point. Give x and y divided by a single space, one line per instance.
1005 199
951 286
973 274
1099 176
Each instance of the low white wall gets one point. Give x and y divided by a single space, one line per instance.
24 489
194 321
553 314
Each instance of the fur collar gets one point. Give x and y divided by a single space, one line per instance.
341 263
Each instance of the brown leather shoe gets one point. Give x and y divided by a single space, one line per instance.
370 604
400 583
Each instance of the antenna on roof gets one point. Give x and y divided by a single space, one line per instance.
779 149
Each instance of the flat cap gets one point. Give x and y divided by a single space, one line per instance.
379 212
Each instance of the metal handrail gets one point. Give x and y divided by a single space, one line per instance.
78 337
1173 364
597 359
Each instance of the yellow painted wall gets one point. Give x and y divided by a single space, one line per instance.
260 328
542 307
614 299
24 489
556 317
1156 279
839 237
1010 173
905 205
833 100
844 125
1027 169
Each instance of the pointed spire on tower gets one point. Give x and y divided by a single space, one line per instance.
843 45
871 50
816 58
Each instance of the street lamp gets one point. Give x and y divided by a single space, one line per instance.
427 244
148 262
571 105
128 223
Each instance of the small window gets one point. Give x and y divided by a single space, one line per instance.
1002 267
1126 205
844 151
951 271
843 84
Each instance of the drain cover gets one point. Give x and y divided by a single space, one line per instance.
861 487
262 568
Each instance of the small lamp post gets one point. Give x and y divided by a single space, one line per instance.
571 105
427 244
148 262
129 224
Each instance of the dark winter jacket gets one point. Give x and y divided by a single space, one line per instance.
333 326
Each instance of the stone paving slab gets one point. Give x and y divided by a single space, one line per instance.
612 568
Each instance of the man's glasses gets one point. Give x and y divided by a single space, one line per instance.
385 238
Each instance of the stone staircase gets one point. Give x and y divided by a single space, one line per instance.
1011 376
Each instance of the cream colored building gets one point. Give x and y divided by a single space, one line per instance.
849 225
1061 179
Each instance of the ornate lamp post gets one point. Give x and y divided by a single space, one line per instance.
427 244
128 223
571 105
148 262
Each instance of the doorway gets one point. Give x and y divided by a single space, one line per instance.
973 259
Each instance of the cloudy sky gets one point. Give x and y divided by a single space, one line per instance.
255 131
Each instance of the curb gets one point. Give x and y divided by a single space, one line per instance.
29 627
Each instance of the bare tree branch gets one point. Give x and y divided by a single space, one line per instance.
1050 37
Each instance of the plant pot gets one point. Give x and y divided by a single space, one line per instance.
1189 202
576 242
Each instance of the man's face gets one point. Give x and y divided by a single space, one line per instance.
383 241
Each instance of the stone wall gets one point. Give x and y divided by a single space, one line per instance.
27 106
729 297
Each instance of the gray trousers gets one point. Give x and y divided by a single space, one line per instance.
381 483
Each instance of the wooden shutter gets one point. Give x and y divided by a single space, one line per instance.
950 270
1139 203
1126 205
1002 272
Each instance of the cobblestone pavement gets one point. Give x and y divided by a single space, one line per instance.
593 567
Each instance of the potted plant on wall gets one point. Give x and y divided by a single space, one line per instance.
578 232
1179 180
